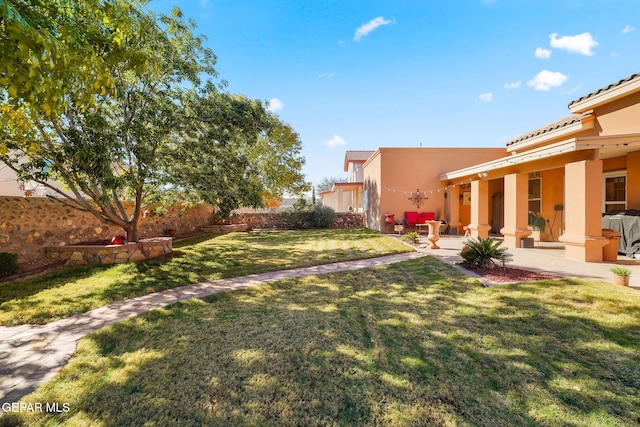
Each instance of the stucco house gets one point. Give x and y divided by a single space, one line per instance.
570 172
399 180
561 177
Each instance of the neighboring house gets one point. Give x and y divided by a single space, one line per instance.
348 196
570 172
11 186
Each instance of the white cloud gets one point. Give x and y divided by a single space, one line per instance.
334 142
275 105
326 76
486 97
543 53
514 85
581 43
546 80
365 29
628 29
615 55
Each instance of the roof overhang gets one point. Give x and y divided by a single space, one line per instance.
585 123
515 159
618 144
347 186
617 91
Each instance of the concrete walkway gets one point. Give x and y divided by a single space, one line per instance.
31 355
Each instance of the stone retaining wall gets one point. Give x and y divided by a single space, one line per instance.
110 254
222 229
28 224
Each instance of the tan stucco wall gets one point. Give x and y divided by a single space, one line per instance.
619 117
552 195
633 179
392 174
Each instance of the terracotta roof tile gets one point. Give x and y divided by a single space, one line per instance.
606 88
548 128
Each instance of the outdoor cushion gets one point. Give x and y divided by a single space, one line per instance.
423 217
411 218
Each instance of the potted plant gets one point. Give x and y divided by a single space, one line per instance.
621 275
537 224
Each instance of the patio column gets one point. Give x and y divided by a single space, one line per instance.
480 209
516 207
339 196
583 211
453 207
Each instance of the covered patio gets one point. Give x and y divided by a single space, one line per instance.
572 171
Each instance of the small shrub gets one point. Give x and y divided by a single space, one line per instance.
621 271
411 237
323 216
482 253
303 216
296 219
8 264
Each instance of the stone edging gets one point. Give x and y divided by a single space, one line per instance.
142 250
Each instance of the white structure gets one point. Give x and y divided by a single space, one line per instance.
348 196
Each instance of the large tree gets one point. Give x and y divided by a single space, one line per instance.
240 155
130 93
105 147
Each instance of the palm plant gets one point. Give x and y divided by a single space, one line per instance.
482 253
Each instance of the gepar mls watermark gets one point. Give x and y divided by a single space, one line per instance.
48 407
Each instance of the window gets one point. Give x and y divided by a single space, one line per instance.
535 195
614 192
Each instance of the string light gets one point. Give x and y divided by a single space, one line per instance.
461 184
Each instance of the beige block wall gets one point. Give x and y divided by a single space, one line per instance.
392 174
27 224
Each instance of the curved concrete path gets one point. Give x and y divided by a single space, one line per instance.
31 355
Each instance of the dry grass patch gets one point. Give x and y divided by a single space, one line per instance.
415 343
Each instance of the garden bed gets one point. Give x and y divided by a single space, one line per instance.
142 250
509 275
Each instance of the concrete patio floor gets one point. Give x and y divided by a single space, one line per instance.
545 257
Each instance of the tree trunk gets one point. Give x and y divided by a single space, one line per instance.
132 233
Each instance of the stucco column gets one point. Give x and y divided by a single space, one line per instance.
339 203
453 207
479 226
516 206
583 211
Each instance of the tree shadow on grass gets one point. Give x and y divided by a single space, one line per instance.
414 343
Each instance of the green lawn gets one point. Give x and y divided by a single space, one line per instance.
72 291
414 343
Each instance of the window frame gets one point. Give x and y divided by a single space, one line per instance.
538 199
614 174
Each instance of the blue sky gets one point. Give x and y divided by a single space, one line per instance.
358 75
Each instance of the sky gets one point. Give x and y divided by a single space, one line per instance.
364 74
